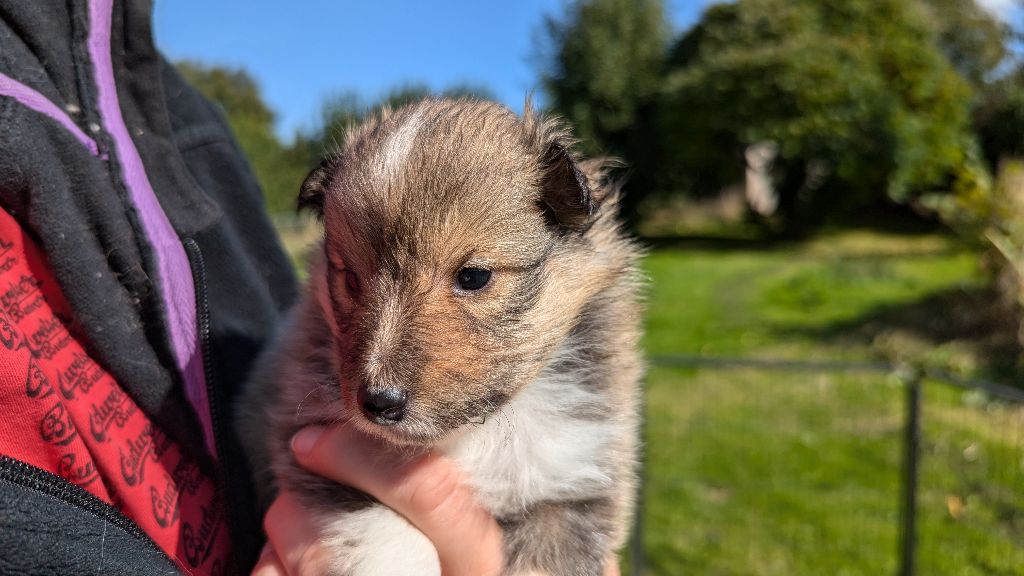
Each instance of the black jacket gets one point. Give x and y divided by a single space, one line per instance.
73 203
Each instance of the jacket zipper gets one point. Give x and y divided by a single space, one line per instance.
39 480
198 264
203 321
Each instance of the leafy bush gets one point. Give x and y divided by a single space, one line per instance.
859 87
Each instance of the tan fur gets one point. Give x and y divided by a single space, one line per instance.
408 200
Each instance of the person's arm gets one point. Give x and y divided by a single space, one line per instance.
429 491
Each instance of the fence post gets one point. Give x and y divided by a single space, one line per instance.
911 378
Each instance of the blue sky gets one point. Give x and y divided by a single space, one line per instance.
303 51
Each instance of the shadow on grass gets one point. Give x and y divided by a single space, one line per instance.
713 243
966 317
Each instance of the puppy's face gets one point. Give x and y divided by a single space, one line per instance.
453 232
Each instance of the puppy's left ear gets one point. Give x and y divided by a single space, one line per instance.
314 187
566 191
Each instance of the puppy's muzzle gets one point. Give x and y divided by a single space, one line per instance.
385 406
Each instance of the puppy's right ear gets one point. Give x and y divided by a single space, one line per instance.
314 187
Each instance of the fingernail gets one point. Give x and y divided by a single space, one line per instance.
304 439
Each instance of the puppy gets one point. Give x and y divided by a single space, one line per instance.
474 296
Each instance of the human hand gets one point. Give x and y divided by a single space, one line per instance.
430 491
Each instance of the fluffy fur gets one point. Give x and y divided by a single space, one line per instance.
530 383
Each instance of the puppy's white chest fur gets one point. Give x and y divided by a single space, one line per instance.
546 444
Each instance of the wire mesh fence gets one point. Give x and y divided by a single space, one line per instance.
760 466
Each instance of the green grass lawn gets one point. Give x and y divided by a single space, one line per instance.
776 473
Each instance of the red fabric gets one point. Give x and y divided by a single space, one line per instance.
60 411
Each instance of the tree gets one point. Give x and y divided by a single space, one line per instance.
855 91
999 111
278 168
347 109
972 38
281 168
999 118
602 72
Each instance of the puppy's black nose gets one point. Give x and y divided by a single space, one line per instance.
384 405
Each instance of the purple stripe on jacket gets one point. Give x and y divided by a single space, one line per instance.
36 101
173 273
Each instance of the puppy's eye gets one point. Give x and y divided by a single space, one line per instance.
352 282
473 278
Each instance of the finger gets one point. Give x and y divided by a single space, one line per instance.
293 537
611 568
268 564
428 490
